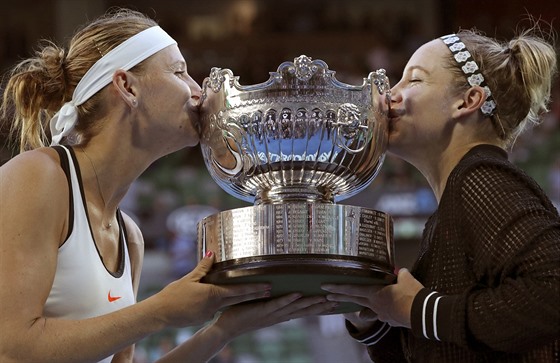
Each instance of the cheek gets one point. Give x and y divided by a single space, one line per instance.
423 101
413 106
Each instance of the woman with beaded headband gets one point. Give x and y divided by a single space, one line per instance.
116 101
486 284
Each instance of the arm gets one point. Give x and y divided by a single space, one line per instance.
383 342
386 308
33 221
237 320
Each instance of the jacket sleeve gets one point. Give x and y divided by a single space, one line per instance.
382 341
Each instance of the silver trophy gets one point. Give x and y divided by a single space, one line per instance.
294 146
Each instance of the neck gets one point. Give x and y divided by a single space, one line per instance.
437 168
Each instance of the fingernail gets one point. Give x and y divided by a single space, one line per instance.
209 254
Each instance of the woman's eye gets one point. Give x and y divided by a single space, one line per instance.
180 73
414 81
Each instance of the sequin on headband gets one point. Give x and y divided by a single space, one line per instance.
471 70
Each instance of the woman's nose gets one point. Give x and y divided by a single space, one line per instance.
196 91
395 95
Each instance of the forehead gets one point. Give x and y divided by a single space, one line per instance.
168 56
431 56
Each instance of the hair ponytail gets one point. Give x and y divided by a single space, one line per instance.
519 73
537 66
35 90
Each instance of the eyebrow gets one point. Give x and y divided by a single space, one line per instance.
420 68
179 63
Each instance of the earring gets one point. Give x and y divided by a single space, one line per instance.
134 102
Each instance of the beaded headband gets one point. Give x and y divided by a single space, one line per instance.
124 56
470 69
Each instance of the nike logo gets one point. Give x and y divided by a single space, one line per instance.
112 298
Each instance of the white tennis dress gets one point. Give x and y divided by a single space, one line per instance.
82 286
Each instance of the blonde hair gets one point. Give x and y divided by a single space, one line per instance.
37 87
518 72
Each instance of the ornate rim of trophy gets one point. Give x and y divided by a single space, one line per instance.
294 146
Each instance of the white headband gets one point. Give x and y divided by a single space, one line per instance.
124 56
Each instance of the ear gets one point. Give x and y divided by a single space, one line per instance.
470 103
126 85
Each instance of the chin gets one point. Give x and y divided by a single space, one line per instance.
392 139
191 138
395 144
193 144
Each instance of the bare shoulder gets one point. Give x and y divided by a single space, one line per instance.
34 192
34 173
34 161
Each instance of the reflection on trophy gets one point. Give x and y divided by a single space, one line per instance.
294 146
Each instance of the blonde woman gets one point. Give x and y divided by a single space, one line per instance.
90 120
486 284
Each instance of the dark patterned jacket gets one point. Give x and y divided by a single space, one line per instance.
490 264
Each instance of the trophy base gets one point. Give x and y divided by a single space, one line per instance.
299 246
303 273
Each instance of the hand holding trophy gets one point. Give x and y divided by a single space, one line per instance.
294 146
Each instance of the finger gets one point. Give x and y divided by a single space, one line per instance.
235 294
362 301
404 274
360 323
294 306
353 290
203 267
315 309
351 315
294 301
367 314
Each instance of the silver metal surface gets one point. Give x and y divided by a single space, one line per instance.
301 135
294 146
298 228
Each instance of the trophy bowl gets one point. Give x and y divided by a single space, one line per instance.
294 146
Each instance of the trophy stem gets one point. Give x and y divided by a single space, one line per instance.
294 193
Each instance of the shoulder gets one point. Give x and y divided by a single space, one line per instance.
482 156
46 156
492 196
485 169
34 172
486 172
34 190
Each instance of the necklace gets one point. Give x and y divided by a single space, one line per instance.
108 225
